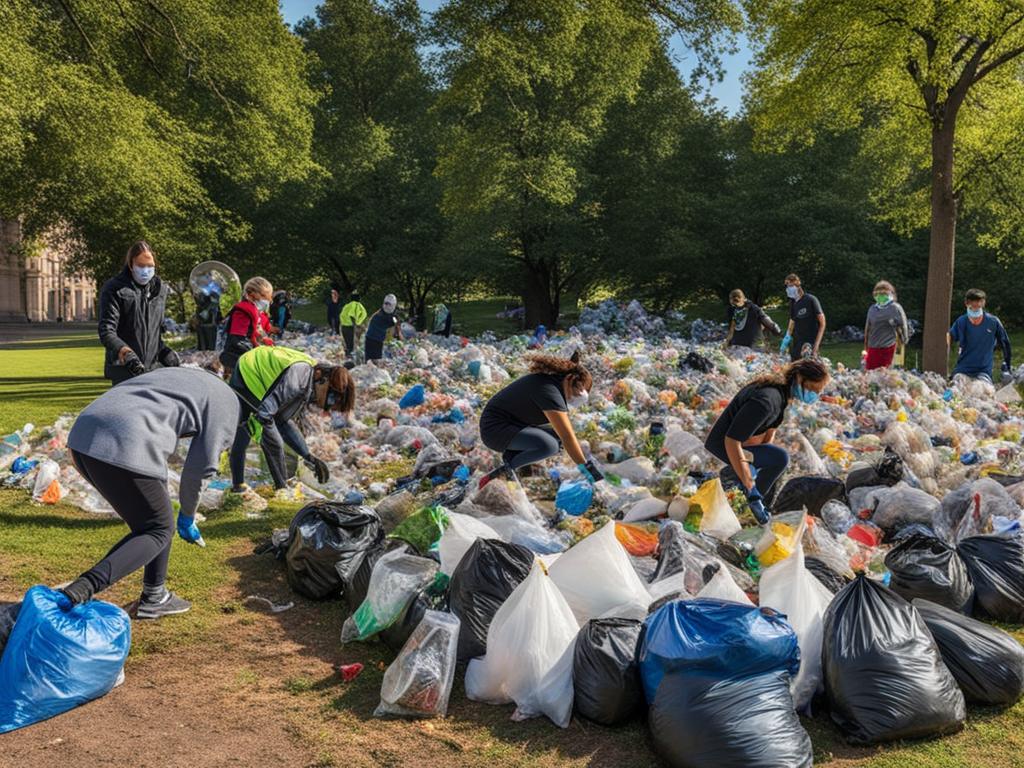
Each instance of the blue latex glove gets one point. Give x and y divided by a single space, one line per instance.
64 602
786 341
756 502
189 531
590 472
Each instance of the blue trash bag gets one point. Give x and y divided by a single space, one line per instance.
55 661
474 368
415 396
715 637
574 497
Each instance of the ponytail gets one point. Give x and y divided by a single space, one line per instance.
807 369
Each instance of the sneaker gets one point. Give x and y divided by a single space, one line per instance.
169 606
241 488
503 470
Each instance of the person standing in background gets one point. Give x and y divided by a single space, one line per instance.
247 324
978 334
442 325
746 320
353 315
334 311
806 322
280 312
885 328
132 308
383 322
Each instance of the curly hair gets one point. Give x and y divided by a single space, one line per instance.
575 373
807 369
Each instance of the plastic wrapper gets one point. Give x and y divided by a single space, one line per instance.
396 579
490 572
56 660
606 677
419 681
639 470
458 537
996 568
809 493
987 663
883 673
529 653
499 498
433 598
393 510
596 576
928 568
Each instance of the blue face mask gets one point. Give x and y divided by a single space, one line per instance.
974 314
143 275
792 291
808 396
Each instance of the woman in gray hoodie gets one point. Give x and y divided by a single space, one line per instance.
885 328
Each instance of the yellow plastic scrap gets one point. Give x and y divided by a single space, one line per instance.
778 545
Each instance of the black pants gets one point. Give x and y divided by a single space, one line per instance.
348 335
144 504
531 445
374 349
206 337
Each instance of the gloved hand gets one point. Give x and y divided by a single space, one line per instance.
756 502
319 468
133 364
590 472
169 358
1005 371
189 531
786 341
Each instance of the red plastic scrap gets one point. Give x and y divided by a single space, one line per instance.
350 672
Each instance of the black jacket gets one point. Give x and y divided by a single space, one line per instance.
132 315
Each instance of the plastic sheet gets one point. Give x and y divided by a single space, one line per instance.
56 660
396 579
529 653
606 677
419 681
883 673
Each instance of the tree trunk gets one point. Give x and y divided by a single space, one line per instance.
540 308
939 294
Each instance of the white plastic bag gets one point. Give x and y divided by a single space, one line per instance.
48 472
815 465
419 681
458 537
790 588
722 587
396 579
646 509
717 519
529 652
596 576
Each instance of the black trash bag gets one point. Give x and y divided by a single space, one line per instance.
996 566
809 492
926 567
394 637
698 362
886 471
606 678
822 572
987 663
698 721
8 616
884 676
332 548
671 552
487 574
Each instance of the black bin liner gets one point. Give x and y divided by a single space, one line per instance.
394 637
8 617
487 574
884 675
606 678
331 550
996 567
822 572
886 471
926 567
699 721
810 492
987 663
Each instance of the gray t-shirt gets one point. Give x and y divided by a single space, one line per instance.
137 424
885 325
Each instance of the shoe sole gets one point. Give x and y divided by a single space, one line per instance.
161 614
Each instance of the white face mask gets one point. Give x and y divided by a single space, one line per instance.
143 275
793 291
579 400
262 304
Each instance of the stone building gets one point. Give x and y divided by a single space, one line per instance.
38 286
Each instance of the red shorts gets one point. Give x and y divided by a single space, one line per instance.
879 357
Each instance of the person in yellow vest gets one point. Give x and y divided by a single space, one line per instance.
273 384
353 317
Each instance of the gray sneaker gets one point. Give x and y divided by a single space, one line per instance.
169 606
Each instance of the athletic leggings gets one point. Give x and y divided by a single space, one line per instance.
144 504
531 445
769 460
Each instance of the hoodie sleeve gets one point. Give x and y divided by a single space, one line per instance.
1003 340
110 317
204 453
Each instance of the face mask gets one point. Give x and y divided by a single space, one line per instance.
262 305
580 400
808 396
143 275
974 314
792 291
881 299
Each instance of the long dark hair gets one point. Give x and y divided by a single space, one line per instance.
138 248
339 380
575 373
807 369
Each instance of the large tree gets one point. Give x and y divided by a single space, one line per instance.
931 83
171 120
529 83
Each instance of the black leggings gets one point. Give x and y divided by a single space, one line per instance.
348 335
144 504
531 445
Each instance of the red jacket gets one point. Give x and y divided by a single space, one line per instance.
247 320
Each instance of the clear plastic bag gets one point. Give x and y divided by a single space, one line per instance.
458 537
596 576
717 518
837 516
396 579
529 653
822 545
526 533
419 681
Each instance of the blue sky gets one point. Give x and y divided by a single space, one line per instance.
729 92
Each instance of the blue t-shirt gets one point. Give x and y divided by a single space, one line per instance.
977 344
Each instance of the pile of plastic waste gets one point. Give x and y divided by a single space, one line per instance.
899 516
